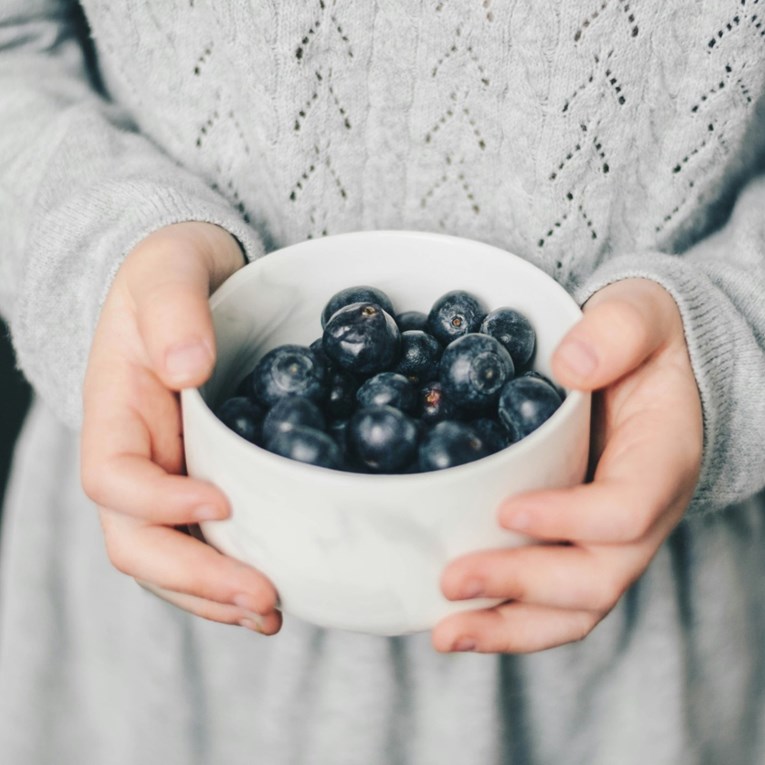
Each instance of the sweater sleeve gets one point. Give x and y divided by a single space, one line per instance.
719 287
79 188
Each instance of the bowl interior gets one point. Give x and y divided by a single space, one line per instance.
279 298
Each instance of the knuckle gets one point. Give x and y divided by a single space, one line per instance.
92 480
584 625
118 554
633 522
607 595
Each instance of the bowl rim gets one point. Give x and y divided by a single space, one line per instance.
192 397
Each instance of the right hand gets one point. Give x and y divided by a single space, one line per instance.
155 337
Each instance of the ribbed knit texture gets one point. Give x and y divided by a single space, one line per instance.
600 140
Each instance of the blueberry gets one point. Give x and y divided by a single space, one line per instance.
340 400
290 412
449 444
388 389
382 439
317 346
435 405
411 320
514 331
525 403
539 376
493 434
289 370
455 314
338 429
473 370
360 294
362 338
307 445
420 354
243 416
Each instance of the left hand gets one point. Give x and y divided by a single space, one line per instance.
600 536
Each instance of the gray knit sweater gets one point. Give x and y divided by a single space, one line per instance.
598 139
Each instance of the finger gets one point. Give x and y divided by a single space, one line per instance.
170 276
512 628
566 577
173 317
132 485
127 453
643 479
166 558
621 327
217 612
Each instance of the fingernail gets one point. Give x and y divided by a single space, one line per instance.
578 357
186 360
464 644
208 513
254 623
471 589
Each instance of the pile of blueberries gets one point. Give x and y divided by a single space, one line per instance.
387 392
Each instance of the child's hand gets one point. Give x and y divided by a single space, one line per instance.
153 338
647 439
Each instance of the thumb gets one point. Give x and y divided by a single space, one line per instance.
170 285
623 324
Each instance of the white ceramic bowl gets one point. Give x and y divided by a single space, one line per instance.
365 552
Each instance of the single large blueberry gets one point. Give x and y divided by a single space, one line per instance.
307 445
362 338
382 439
434 405
420 355
388 389
453 315
525 403
410 320
243 416
360 294
289 370
514 331
473 370
449 444
289 412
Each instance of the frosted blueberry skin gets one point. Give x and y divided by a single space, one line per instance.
526 403
388 389
420 356
291 412
449 444
307 445
435 406
539 376
473 370
288 370
514 332
382 439
242 415
493 434
412 320
362 338
361 294
453 315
